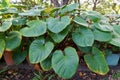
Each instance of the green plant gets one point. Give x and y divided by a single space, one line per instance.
116 75
43 76
55 37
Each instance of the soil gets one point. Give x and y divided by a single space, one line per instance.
21 72
26 72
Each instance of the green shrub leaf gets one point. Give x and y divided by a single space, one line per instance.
96 62
102 36
104 27
81 21
19 56
19 21
39 50
115 41
69 8
35 28
65 63
58 37
5 26
94 16
13 40
46 64
83 37
32 12
2 47
57 25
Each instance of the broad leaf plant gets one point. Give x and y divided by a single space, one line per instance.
54 38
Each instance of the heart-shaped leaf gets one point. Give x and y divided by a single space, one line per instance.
115 41
57 25
13 40
65 64
103 27
81 21
83 37
19 56
96 62
46 64
19 21
10 10
39 50
85 49
2 47
102 36
116 30
32 12
94 16
69 8
35 28
58 37
5 26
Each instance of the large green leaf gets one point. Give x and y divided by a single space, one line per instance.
13 40
94 16
19 21
35 28
96 62
85 49
115 41
5 26
32 12
81 21
103 27
46 64
102 36
4 3
116 30
83 37
39 50
57 25
11 10
58 37
2 47
19 56
65 63
68 8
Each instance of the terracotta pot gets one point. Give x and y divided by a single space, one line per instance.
8 57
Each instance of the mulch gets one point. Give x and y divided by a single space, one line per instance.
26 72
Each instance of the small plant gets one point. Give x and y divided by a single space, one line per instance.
45 76
116 75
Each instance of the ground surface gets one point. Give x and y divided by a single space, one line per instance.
25 72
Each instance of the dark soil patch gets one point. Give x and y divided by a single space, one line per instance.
21 72
26 72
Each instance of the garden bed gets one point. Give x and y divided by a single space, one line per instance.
26 72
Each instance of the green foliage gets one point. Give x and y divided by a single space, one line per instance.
13 40
83 37
5 26
96 62
45 34
19 56
35 28
57 25
62 62
40 50
46 64
2 47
